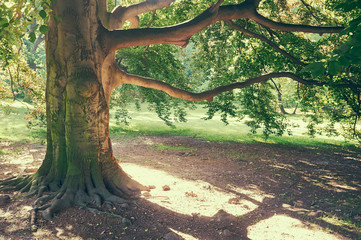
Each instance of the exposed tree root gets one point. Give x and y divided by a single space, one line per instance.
75 190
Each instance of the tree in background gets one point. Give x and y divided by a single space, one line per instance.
84 66
23 73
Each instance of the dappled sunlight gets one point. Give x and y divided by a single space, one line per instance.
341 187
353 158
331 183
252 192
192 197
12 217
19 159
62 233
283 166
206 190
337 221
200 198
285 227
307 163
298 210
183 235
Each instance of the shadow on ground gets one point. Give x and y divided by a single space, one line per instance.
212 190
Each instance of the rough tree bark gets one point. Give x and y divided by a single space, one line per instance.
79 166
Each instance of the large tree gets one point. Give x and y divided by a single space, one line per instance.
82 38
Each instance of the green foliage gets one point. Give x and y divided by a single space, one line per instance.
158 62
22 70
227 56
25 79
20 19
216 56
146 123
341 65
14 125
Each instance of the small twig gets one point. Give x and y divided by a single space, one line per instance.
278 90
310 10
40 38
266 40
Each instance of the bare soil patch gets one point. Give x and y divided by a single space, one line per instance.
206 190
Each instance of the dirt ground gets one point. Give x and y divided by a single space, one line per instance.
206 190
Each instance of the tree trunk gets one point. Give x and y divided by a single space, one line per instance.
280 102
79 165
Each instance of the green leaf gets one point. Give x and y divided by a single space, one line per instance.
3 21
43 29
42 14
334 67
344 48
32 37
347 6
356 21
344 61
5 25
316 68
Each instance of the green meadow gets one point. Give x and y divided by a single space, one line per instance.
13 127
145 122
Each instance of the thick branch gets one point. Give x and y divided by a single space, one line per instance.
103 13
177 34
181 33
120 14
126 78
266 40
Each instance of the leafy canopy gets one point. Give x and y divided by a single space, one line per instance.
222 54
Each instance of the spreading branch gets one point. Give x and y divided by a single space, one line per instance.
177 34
266 40
120 14
181 33
126 78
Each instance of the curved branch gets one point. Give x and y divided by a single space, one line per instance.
176 34
181 33
126 78
266 40
120 14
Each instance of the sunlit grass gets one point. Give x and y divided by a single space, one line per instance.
145 122
14 128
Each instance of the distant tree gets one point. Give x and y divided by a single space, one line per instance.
84 67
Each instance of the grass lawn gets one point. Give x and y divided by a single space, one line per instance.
145 122
14 128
